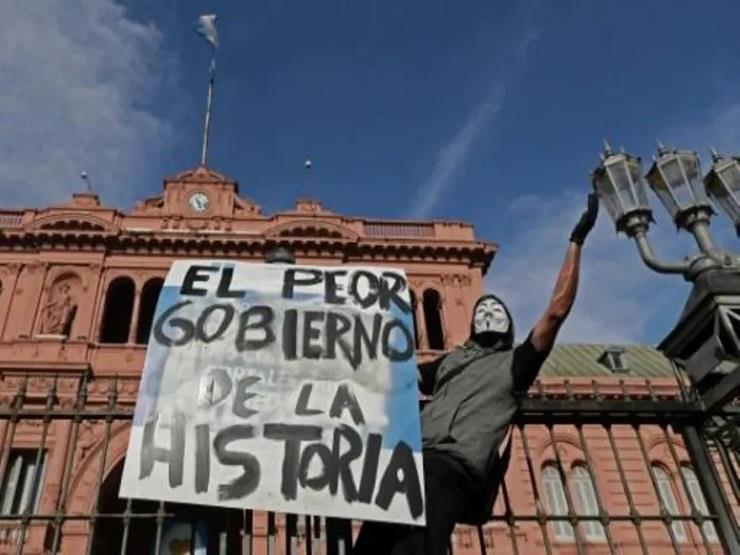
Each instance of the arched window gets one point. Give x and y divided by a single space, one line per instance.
147 306
119 304
697 497
433 319
668 498
587 502
414 302
557 503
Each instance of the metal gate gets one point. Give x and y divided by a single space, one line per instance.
627 467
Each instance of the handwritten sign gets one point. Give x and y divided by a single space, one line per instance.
282 388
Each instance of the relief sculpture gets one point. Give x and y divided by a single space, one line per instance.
59 311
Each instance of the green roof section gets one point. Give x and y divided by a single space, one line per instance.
587 360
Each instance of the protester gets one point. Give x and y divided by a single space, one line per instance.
475 391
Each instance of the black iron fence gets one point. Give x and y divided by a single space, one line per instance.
630 466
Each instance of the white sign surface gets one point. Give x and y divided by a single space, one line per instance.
283 388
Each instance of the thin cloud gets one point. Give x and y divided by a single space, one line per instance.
77 80
452 156
619 299
720 129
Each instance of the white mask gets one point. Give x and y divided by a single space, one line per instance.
490 316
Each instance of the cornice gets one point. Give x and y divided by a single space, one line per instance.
71 221
309 227
193 242
309 230
11 368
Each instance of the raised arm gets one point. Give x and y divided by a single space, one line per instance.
564 294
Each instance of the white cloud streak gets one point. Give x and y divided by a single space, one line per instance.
720 128
619 300
77 78
452 156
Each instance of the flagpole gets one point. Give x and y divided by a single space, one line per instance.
206 28
209 108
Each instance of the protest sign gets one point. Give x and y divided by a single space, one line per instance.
283 388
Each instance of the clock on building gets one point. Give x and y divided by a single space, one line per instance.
198 202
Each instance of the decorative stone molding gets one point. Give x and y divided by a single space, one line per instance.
311 206
58 311
544 448
33 267
311 228
71 221
200 174
10 270
82 490
245 207
426 286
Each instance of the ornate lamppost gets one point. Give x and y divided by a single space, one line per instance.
705 342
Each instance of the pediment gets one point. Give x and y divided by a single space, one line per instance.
201 174
311 228
152 206
71 221
246 207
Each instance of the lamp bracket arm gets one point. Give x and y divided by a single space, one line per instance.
650 260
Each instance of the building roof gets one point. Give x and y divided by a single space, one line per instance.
583 360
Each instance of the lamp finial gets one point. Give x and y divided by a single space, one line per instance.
607 150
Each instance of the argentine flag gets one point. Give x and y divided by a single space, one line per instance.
206 28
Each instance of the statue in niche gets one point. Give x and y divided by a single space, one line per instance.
58 313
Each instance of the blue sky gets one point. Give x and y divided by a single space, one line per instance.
490 112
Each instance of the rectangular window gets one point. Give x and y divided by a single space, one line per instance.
616 360
21 484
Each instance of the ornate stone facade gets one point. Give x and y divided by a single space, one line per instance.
78 283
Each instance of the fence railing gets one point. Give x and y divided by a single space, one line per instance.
608 470
396 229
11 219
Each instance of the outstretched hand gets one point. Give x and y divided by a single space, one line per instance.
587 221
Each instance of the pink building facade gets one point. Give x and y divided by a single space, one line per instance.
78 287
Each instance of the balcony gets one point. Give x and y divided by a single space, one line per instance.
399 229
11 219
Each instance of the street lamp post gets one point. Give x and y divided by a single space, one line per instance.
707 335
723 185
705 342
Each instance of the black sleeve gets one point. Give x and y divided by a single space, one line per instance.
428 375
527 363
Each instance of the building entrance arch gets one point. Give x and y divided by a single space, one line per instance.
134 526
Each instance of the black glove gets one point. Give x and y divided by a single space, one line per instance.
587 221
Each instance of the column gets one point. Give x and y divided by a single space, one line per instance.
135 315
13 271
98 303
421 324
42 295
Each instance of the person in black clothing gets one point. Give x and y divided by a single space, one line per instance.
466 426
